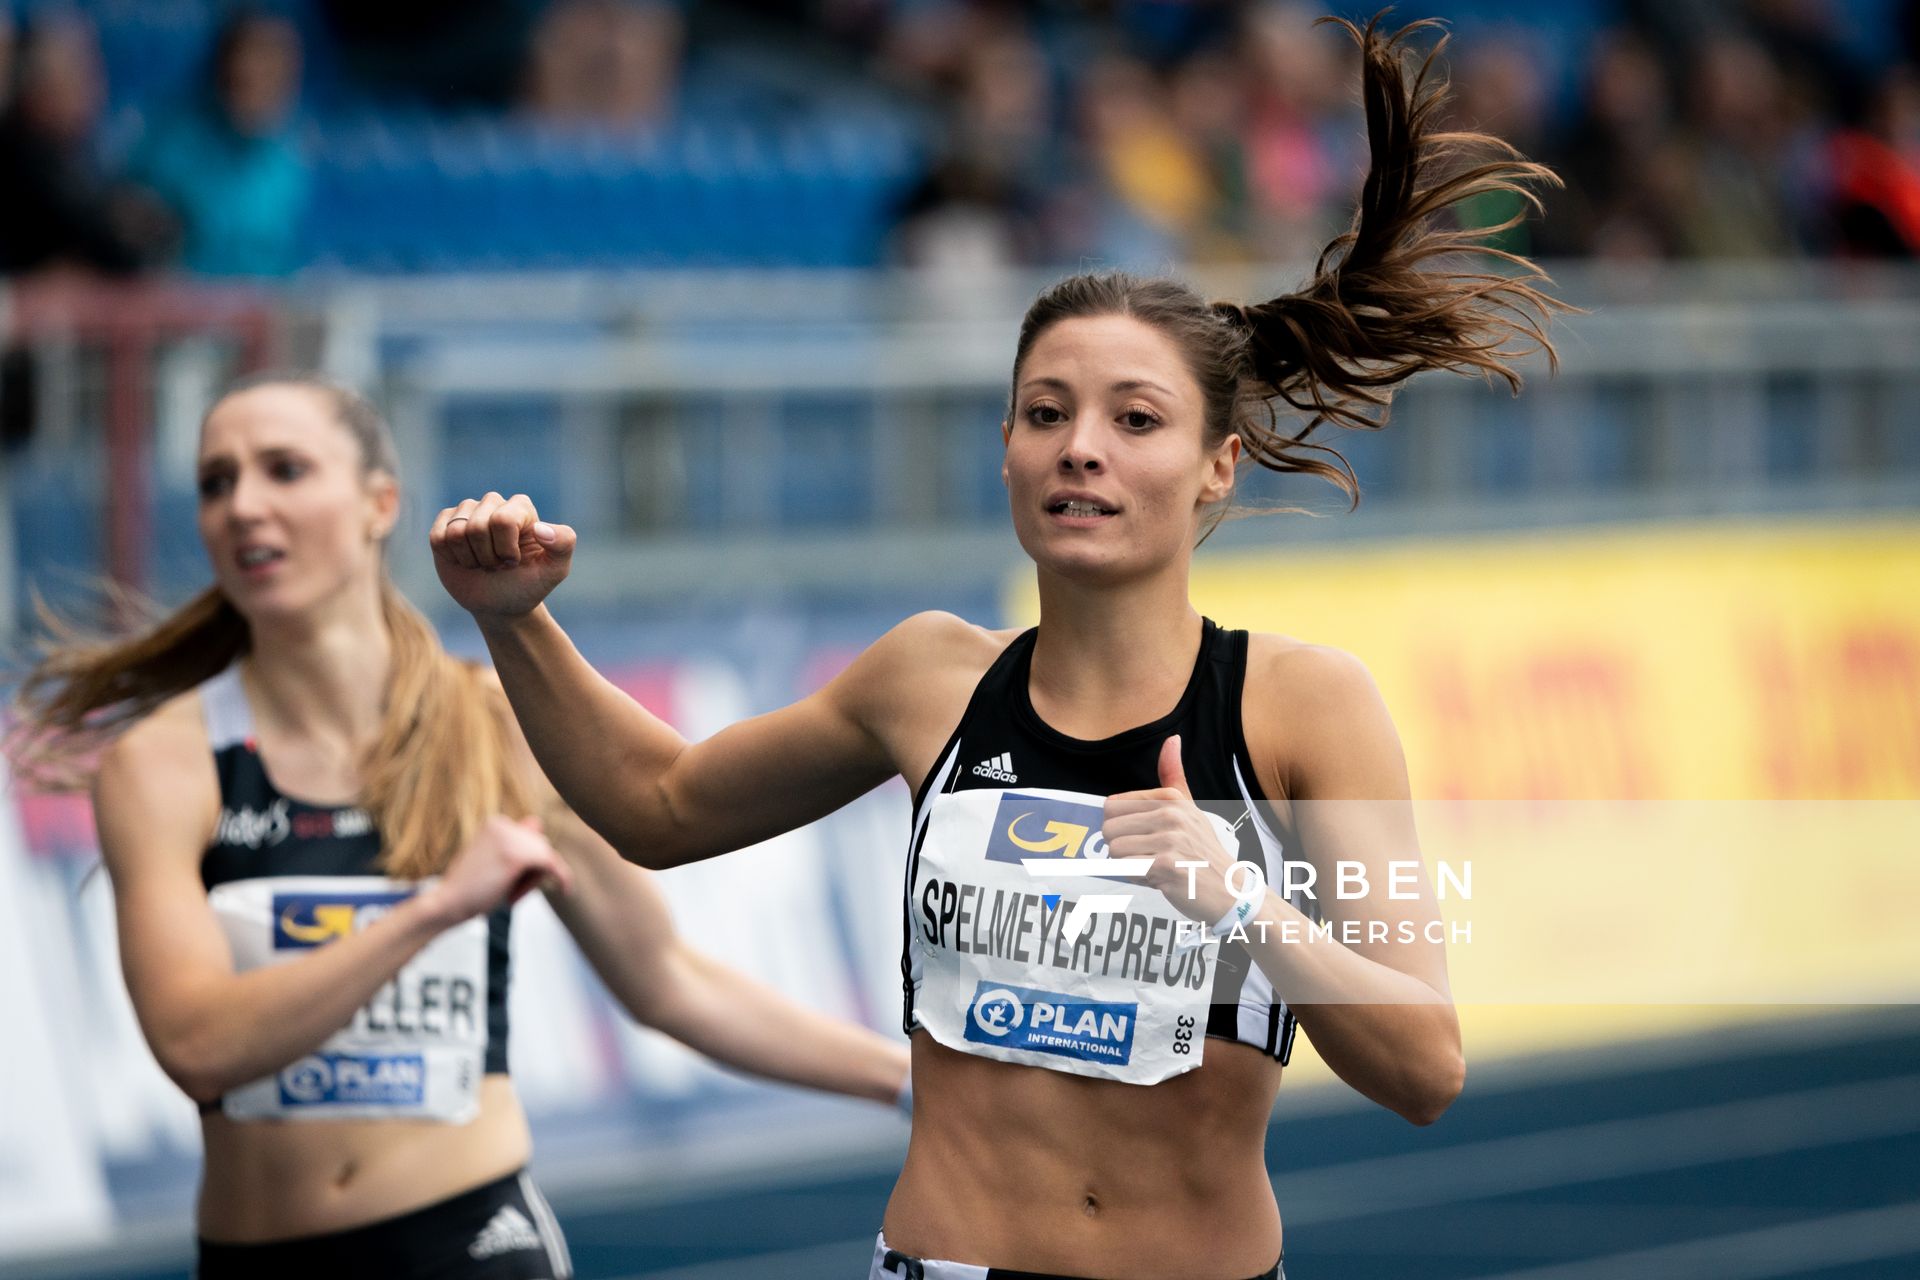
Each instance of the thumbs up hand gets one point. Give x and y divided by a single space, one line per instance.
1173 771
1165 825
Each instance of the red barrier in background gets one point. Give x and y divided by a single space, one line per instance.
130 322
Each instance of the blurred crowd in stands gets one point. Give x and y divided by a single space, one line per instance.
1041 133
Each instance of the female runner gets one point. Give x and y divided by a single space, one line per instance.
315 822
1093 1101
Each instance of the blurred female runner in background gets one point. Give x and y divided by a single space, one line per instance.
1133 404
316 822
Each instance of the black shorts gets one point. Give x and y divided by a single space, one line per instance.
501 1231
891 1264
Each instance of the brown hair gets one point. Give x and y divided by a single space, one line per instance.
1380 307
443 762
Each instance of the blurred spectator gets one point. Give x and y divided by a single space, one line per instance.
1304 140
58 207
1155 194
1802 38
6 56
607 62
225 160
1208 101
1137 131
461 54
1733 145
1497 89
1610 204
920 48
1875 174
1005 95
19 397
982 203
1167 33
963 218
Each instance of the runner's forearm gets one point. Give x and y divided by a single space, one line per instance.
254 1023
1386 1033
603 752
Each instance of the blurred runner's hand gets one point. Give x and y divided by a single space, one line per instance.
505 861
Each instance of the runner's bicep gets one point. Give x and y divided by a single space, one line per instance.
1352 814
150 814
774 772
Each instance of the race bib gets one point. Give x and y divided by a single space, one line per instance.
1025 951
416 1051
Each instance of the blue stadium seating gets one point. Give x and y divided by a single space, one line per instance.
426 194
746 177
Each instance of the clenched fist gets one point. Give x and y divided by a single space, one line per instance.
496 556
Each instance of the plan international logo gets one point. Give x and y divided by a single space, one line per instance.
1051 1022
334 1079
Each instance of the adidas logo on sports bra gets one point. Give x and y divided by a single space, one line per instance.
1000 768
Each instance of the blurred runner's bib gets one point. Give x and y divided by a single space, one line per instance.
415 1051
284 877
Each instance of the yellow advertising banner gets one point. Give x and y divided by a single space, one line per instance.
1655 662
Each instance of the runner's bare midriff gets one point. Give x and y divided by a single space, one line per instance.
1039 1170
274 1180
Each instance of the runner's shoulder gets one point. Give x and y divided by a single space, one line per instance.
940 642
170 735
1310 680
159 774
1306 704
